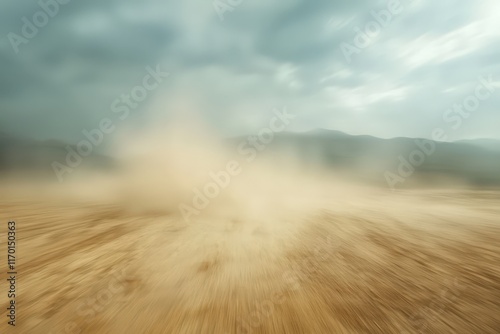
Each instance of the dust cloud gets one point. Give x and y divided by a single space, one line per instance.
268 247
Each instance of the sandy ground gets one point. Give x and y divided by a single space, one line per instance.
377 262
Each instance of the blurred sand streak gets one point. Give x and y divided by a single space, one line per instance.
367 262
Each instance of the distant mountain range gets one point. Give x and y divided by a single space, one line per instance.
368 158
488 144
19 154
380 161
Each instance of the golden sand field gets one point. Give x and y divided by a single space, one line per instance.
364 261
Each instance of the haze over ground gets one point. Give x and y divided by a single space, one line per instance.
237 167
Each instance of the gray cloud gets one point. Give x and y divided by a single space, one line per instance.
263 55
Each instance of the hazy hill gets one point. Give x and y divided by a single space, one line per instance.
366 158
489 144
369 158
19 154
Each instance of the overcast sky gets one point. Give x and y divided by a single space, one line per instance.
262 55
